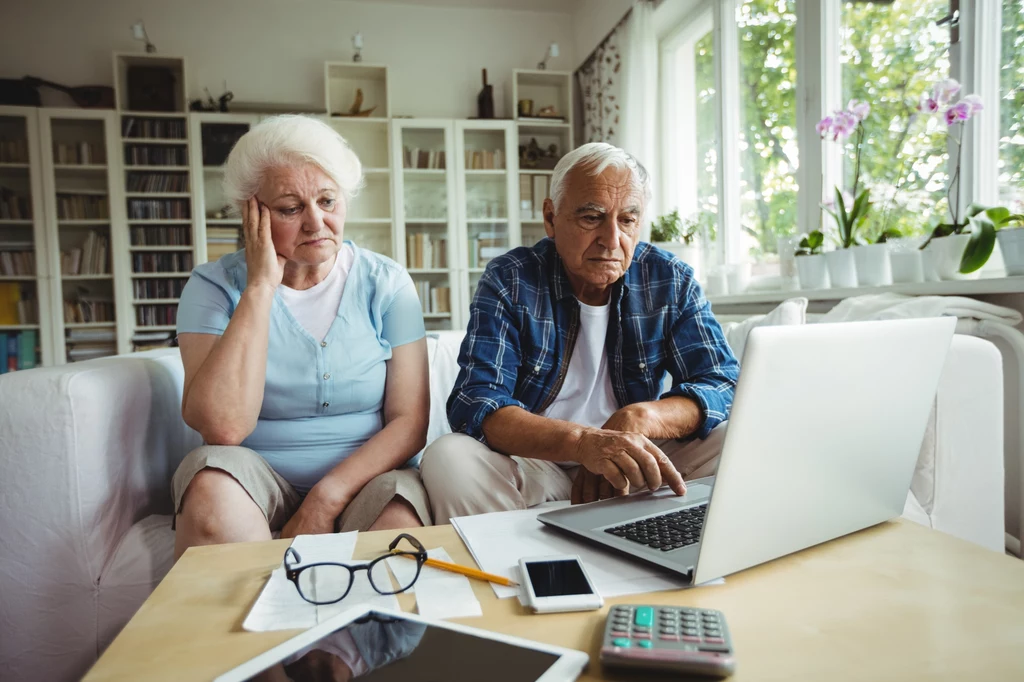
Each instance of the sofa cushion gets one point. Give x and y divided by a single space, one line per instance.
790 311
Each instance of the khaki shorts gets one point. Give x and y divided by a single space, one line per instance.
279 500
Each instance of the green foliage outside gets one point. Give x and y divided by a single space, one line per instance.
1011 108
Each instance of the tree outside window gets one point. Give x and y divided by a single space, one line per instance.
1011 108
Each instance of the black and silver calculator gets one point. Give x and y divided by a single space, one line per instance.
670 638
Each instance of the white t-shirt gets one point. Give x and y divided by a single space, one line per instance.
586 396
316 307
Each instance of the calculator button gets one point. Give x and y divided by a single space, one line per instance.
714 640
668 638
619 633
644 616
689 638
644 644
641 635
624 643
717 648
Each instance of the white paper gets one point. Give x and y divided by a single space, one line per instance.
280 607
498 540
439 593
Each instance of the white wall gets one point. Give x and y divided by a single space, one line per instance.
592 21
274 50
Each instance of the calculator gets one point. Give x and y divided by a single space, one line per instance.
670 638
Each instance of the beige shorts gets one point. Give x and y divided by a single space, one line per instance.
279 500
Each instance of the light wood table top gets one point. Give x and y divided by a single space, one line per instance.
896 601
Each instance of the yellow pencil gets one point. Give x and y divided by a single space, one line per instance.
464 570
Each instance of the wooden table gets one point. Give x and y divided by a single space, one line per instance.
896 601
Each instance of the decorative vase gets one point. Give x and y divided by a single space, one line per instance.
874 269
842 270
812 272
946 255
1011 242
907 266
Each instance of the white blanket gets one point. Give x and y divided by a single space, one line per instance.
898 306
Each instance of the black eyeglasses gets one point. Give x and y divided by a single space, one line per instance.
328 583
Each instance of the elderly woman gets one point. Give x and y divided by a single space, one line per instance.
305 359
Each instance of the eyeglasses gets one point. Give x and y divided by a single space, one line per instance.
328 583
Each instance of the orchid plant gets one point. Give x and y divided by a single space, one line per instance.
811 244
841 125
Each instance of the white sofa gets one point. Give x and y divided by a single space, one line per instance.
88 450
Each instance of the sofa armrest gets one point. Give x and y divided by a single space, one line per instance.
88 449
959 476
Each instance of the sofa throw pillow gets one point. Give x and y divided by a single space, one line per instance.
790 311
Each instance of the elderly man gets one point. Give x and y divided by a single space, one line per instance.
560 389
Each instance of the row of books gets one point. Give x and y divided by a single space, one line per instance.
157 128
71 206
88 259
162 235
485 246
150 155
88 344
533 190
156 315
425 251
150 340
414 157
18 261
13 150
13 205
86 307
221 241
18 350
158 209
163 287
434 299
484 159
157 182
17 304
78 153
162 262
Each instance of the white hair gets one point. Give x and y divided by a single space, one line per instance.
289 140
595 157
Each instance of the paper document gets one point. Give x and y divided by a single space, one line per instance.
280 607
498 540
439 593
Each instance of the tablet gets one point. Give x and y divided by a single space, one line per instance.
378 645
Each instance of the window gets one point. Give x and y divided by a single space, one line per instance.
1011 107
890 54
768 146
707 152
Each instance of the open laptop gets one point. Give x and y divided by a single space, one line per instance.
824 433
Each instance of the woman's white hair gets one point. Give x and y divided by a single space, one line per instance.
595 157
289 140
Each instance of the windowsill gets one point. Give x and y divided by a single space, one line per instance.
983 285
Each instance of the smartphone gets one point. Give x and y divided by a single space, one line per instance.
554 584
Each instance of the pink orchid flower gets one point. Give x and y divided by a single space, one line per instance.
959 112
945 90
928 104
859 109
824 126
974 101
843 125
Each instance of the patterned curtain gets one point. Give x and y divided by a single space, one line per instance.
600 87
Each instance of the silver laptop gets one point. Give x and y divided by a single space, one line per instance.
824 433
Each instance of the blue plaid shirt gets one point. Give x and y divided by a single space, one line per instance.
525 318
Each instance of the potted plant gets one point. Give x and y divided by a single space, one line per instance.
1011 242
874 265
841 266
958 249
679 236
811 268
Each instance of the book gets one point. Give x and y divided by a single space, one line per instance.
27 349
3 353
12 353
540 193
10 296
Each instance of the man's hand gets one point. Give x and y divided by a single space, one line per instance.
590 487
315 516
626 459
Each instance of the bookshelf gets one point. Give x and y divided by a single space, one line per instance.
426 214
84 210
343 79
25 321
165 237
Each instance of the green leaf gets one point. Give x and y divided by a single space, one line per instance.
974 209
815 239
845 224
998 214
981 244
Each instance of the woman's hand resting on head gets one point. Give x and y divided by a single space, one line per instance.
264 263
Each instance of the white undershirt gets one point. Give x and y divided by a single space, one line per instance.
316 307
586 396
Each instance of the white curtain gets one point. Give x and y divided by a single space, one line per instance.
640 86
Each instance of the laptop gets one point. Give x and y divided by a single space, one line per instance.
823 437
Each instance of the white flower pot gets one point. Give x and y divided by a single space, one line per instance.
842 270
947 253
907 266
1011 242
874 269
688 253
812 272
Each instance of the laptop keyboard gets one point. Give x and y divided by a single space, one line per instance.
666 532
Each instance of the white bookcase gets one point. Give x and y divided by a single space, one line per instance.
23 236
84 208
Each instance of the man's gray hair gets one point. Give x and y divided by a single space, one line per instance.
289 140
595 157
